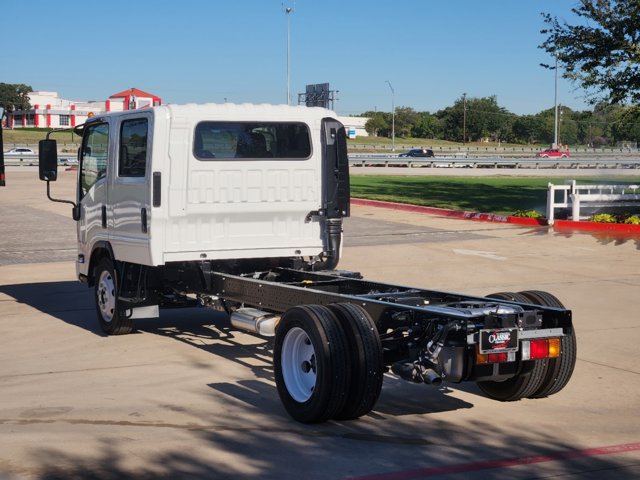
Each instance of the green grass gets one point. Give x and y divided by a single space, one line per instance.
32 136
478 194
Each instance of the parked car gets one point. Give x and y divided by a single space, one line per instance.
418 152
20 151
553 153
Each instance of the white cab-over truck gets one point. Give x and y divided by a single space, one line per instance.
240 208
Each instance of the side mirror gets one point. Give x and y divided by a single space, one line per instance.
48 160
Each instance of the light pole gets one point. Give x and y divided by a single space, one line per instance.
393 118
555 101
464 118
288 11
559 124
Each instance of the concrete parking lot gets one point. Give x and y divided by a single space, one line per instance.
186 396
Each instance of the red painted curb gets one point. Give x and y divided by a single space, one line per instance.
596 226
491 217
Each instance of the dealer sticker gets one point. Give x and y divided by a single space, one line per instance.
499 340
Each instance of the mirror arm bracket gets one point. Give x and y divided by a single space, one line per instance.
75 210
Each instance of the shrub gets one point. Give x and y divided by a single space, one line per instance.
528 214
603 218
633 220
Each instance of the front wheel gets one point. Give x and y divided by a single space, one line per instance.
110 315
311 363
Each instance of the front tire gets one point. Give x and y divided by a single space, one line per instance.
110 315
311 363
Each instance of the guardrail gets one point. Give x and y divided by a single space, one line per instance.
574 197
32 160
494 150
429 162
468 162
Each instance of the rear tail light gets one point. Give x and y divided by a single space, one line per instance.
554 347
482 358
539 349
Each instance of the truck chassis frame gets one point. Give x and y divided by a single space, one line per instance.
424 336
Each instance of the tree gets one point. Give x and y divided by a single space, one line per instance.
568 128
427 126
406 118
484 119
528 128
377 123
602 53
626 126
15 96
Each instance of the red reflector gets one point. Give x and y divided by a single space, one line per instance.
539 349
497 357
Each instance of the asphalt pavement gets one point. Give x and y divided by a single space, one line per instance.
188 397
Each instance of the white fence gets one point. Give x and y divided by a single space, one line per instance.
574 197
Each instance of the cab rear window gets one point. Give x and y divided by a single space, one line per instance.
251 140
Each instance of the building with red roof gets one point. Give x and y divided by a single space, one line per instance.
135 98
50 111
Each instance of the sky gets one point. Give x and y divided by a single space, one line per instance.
430 51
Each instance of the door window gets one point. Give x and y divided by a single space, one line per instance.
95 147
132 160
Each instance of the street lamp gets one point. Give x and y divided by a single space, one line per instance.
555 101
559 125
464 118
393 118
288 11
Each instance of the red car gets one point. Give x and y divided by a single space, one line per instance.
553 153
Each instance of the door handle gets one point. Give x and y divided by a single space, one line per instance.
104 216
143 215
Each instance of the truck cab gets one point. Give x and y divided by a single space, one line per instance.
181 183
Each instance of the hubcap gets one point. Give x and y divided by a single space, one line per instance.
106 294
299 368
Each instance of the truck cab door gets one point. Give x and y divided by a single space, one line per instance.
92 190
129 210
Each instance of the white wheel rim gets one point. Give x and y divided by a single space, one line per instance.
298 361
106 296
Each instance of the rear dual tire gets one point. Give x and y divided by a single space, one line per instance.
327 362
547 376
523 384
365 357
559 370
